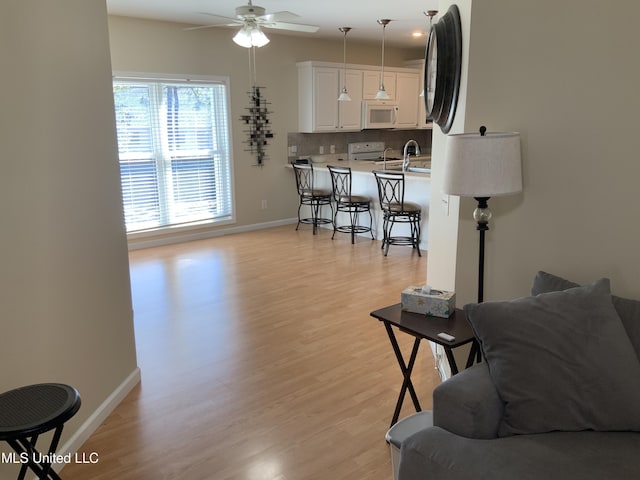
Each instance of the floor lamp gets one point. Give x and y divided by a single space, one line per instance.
482 166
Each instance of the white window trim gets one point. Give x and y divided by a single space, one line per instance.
182 230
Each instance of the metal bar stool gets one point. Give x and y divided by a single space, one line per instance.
315 198
29 411
348 203
396 210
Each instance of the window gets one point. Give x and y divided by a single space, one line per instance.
173 145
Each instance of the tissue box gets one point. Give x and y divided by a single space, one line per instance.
438 303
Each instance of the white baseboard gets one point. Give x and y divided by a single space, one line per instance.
186 236
98 417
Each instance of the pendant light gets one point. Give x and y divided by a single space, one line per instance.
344 96
430 14
382 93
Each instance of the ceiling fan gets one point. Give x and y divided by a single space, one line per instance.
251 18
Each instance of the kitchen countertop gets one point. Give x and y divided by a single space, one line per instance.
368 166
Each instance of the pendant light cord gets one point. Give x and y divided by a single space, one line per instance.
384 28
344 50
344 95
344 60
344 30
384 22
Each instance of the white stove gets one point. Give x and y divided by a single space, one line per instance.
365 151
370 151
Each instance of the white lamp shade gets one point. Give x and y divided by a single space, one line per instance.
243 38
258 38
382 94
483 166
344 96
248 37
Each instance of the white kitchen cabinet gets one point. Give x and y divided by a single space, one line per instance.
371 84
422 112
320 83
350 113
318 106
408 100
402 87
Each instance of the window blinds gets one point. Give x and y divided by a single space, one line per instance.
173 144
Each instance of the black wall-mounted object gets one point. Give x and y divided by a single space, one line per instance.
443 66
257 121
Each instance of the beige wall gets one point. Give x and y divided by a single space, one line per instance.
567 80
65 302
162 47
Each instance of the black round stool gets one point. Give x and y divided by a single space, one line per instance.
27 412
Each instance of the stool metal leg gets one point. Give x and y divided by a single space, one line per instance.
42 470
335 222
415 227
370 222
299 220
353 214
315 211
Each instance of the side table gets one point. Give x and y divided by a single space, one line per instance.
29 411
423 327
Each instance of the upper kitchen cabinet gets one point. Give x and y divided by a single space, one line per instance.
422 113
318 106
320 83
403 88
407 98
371 84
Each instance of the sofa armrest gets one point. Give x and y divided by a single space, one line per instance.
468 404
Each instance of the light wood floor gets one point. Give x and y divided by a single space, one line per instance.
260 361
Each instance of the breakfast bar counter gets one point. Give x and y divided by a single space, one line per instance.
417 189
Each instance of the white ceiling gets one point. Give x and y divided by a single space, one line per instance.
361 15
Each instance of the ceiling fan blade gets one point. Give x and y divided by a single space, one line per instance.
234 22
272 20
200 27
222 17
283 16
295 27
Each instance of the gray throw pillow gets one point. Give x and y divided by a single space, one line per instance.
628 309
560 361
547 282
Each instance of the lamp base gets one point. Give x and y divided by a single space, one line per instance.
482 215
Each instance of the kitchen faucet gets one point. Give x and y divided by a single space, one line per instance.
384 158
405 157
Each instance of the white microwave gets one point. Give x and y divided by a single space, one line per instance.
379 114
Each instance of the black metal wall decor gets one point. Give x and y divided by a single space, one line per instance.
258 128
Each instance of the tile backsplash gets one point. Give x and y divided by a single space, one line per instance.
309 143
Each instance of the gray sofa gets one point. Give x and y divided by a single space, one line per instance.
558 396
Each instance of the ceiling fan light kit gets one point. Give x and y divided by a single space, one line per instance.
382 93
252 19
250 36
